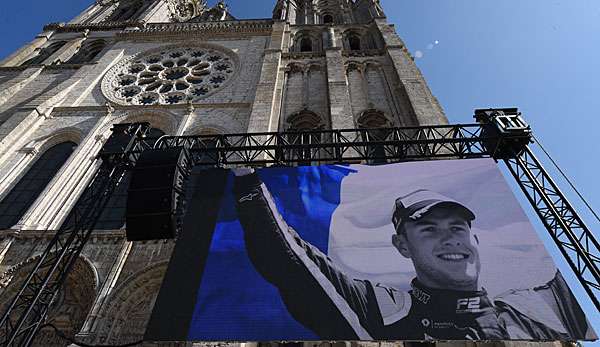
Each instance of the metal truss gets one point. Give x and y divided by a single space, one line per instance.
501 134
27 311
334 146
572 236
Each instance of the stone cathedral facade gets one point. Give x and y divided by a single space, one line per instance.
186 67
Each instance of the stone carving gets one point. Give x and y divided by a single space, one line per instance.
169 75
184 10
126 314
219 12
69 308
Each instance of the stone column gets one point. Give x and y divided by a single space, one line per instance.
90 75
339 96
365 83
53 205
340 106
283 101
265 110
305 86
89 326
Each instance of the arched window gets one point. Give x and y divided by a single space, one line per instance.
327 19
299 126
125 12
278 11
87 52
31 185
304 121
375 124
44 53
354 42
306 44
113 216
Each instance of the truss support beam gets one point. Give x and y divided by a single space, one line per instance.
502 134
333 146
572 236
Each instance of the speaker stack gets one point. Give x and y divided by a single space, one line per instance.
156 198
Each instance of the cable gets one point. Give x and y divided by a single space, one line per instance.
567 179
65 337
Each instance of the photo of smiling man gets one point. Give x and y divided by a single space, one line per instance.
356 292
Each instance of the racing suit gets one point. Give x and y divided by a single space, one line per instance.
337 307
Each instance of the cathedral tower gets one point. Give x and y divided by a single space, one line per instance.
351 67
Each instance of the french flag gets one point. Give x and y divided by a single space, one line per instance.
234 301
212 291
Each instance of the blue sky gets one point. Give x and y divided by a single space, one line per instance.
542 56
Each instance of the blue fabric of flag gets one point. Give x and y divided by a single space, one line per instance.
234 302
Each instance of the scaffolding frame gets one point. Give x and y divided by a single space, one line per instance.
501 134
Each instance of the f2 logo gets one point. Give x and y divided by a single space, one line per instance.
468 304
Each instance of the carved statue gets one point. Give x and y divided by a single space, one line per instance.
219 12
184 10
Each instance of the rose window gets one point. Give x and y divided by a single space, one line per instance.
168 76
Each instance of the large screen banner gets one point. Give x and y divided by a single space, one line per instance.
435 250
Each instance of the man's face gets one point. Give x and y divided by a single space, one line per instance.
442 249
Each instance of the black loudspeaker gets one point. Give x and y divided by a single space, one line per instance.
156 197
121 138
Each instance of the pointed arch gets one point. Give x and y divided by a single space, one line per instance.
307 41
304 120
87 52
306 44
72 304
328 19
299 126
206 130
374 127
69 134
126 11
128 309
372 119
20 198
359 38
354 42
353 66
160 119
